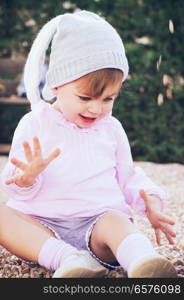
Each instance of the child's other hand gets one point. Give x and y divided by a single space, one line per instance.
159 221
35 164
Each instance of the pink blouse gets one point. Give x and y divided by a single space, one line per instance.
94 172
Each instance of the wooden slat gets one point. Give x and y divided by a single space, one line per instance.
6 100
5 148
11 66
8 87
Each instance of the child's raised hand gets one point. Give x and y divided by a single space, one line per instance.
159 221
35 164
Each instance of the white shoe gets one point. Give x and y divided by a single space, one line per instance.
152 266
80 264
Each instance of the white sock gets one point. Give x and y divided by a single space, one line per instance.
133 247
53 252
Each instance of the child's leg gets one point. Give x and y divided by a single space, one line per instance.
22 235
29 239
115 237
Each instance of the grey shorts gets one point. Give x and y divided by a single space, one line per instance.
76 232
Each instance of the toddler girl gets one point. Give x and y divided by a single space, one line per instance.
72 189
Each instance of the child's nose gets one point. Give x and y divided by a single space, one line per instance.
95 107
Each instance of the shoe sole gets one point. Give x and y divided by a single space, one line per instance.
80 273
153 268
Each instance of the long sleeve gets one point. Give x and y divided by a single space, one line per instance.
25 130
131 179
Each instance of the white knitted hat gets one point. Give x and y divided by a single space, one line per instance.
82 42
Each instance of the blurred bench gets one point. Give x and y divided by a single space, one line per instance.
10 73
11 110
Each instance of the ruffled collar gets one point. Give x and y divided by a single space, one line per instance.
61 120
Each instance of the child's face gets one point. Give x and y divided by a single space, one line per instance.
76 105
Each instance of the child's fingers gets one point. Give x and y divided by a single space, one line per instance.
28 151
157 234
170 239
19 164
17 174
167 220
168 231
143 196
10 181
37 146
52 156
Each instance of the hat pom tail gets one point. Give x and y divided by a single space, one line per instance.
36 58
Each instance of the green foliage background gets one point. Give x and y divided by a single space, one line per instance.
154 125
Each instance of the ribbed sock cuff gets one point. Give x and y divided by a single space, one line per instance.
53 252
135 245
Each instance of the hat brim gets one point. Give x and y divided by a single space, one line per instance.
47 93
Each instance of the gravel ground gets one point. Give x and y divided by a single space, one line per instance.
170 177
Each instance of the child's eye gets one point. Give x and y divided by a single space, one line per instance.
109 99
84 98
88 98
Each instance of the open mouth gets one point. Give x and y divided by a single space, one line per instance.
87 119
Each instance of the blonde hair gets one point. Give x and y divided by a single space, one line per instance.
96 82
